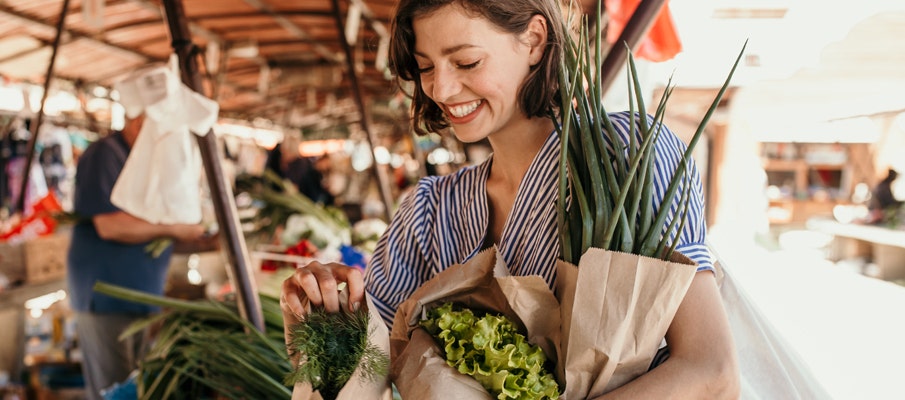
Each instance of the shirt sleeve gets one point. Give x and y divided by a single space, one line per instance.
670 150
399 263
692 238
96 174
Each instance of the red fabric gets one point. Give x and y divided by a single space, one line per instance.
662 41
39 221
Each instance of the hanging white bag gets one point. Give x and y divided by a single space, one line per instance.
160 181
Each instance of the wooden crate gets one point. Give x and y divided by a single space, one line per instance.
45 258
12 262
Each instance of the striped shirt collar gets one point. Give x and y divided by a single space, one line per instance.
536 189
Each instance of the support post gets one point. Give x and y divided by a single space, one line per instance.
221 190
36 124
638 25
379 174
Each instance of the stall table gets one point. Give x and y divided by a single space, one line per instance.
885 247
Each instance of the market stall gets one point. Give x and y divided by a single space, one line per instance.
252 80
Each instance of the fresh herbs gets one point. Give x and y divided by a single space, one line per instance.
490 349
611 177
332 346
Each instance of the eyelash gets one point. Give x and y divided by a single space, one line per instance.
469 66
465 67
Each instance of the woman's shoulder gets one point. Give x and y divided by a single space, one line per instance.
622 121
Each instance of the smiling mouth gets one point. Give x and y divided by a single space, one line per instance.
462 110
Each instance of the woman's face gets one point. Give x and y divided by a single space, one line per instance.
472 70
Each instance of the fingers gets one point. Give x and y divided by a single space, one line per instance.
291 303
318 282
352 276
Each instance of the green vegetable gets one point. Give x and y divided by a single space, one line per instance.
205 350
491 350
158 246
333 345
611 181
282 199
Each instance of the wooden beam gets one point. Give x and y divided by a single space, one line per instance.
36 125
282 21
24 53
73 33
638 26
220 189
133 24
241 15
379 174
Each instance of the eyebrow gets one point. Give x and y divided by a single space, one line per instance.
447 51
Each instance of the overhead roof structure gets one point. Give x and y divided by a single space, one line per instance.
274 59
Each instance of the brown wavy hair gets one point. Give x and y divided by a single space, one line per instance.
537 96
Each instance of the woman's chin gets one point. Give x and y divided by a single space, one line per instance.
468 135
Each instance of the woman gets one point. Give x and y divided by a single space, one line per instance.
488 70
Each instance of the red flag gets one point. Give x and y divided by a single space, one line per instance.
662 41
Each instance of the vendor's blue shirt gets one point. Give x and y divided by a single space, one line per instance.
91 258
444 222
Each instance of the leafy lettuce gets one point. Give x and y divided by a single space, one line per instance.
490 349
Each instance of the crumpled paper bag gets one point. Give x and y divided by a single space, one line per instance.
160 181
357 388
418 367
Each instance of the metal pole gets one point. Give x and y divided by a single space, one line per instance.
379 174
638 26
33 140
221 190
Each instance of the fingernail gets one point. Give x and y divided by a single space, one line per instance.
355 306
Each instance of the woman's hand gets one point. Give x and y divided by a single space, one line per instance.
318 284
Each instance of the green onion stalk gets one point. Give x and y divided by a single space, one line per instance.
605 197
205 350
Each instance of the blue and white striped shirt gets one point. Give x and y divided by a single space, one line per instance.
444 222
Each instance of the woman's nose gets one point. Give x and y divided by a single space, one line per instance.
444 85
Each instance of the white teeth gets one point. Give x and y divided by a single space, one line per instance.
465 109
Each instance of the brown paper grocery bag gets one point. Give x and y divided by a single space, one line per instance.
358 387
615 310
418 367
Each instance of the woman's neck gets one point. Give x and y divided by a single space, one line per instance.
515 149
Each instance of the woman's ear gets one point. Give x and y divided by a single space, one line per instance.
536 38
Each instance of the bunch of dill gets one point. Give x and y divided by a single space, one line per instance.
331 346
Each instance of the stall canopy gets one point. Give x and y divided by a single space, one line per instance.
278 60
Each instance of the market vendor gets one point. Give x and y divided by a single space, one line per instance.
882 198
108 245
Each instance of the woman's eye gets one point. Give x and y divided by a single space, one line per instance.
469 66
425 70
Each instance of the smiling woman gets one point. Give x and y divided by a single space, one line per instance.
491 70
